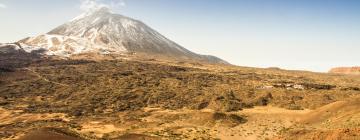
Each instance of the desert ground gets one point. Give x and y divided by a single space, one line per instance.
75 99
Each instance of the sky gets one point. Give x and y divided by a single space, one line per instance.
313 35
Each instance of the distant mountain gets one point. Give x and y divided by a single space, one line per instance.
102 32
346 70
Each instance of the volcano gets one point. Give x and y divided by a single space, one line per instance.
102 32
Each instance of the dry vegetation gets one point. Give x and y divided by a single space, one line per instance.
150 99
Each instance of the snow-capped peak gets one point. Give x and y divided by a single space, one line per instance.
92 11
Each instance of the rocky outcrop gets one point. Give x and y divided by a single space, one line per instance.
346 70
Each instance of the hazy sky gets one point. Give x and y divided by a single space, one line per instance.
293 34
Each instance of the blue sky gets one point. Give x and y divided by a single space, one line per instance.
293 34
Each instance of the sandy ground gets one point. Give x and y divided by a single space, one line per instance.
98 128
262 123
11 116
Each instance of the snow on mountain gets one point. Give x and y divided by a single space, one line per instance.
9 47
104 32
62 45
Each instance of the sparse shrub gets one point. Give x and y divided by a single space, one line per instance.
297 98
219 116
294 107
202 105
233 119
237 119
77 113
8 69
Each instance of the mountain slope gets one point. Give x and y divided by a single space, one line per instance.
103 32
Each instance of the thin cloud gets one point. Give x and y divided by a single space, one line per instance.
2 5
88 5
117 3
